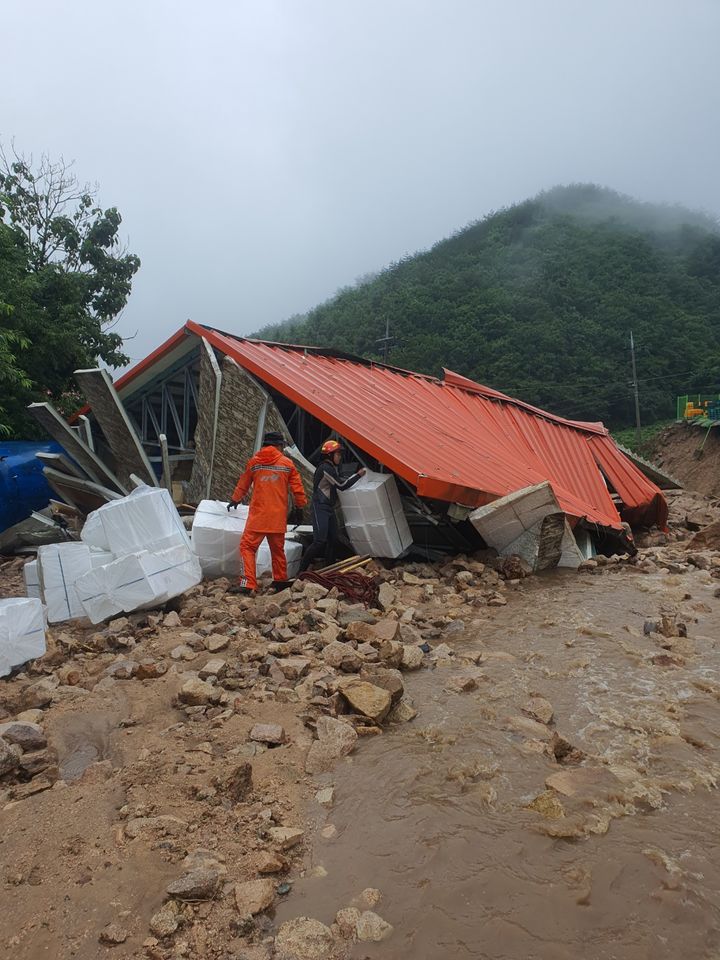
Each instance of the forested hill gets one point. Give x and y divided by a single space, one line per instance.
539 300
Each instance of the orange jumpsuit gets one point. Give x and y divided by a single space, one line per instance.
270 474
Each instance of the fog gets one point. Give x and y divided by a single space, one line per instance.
265 154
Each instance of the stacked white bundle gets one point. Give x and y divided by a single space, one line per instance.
374 516
144 520
137 581
141 555
22 632
59 567
216 535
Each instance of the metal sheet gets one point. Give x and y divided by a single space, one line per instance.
452 439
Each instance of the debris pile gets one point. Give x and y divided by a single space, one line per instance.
301 674
222 716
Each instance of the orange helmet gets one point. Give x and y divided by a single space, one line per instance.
330 446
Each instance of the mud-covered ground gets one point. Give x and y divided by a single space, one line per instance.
538 781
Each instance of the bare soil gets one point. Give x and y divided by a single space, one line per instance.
677 450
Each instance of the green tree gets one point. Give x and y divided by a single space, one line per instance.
64 277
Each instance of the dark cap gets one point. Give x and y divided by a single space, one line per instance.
273 439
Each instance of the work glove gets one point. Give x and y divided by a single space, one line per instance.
234 504
297 516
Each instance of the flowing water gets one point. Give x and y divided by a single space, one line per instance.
622 860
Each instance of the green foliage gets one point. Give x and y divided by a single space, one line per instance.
538 301
12 378
648 435
63 281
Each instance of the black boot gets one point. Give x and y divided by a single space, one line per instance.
243 591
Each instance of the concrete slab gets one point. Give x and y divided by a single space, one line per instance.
54 425
130 457
205 432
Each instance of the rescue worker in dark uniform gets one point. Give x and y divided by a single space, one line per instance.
326 485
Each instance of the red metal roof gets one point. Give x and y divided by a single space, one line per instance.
452 439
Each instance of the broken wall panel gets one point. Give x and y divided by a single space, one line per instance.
530 524
54 425
243 406
59 462
85 495
209 391
130 457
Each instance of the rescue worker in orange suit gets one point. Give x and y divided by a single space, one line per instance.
271 475
326 485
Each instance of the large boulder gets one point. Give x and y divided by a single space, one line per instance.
412 657
199 884
306 939
40 693
387 597
27 736
342 656
390 652
366 698
9 757
271 733
254 896
372 927
388 679
196 693
335 739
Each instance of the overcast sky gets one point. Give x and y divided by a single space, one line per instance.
264 154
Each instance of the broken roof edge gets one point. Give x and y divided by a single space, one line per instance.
471 386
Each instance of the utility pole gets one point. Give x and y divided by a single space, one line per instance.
386 341
635 389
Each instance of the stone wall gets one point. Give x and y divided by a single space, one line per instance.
241 402
197 488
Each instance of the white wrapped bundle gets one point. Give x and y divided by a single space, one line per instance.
137 581
216 535
144 520
59 567
22 632
31 576
374 517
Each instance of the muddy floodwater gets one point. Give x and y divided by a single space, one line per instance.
493 835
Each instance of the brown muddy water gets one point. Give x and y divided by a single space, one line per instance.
436 813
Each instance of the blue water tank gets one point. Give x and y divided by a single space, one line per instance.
23 487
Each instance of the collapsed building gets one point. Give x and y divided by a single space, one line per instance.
191 413
452 467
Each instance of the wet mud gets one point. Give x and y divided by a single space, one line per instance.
84 739
493 832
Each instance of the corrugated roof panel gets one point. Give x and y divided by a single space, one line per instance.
453 439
